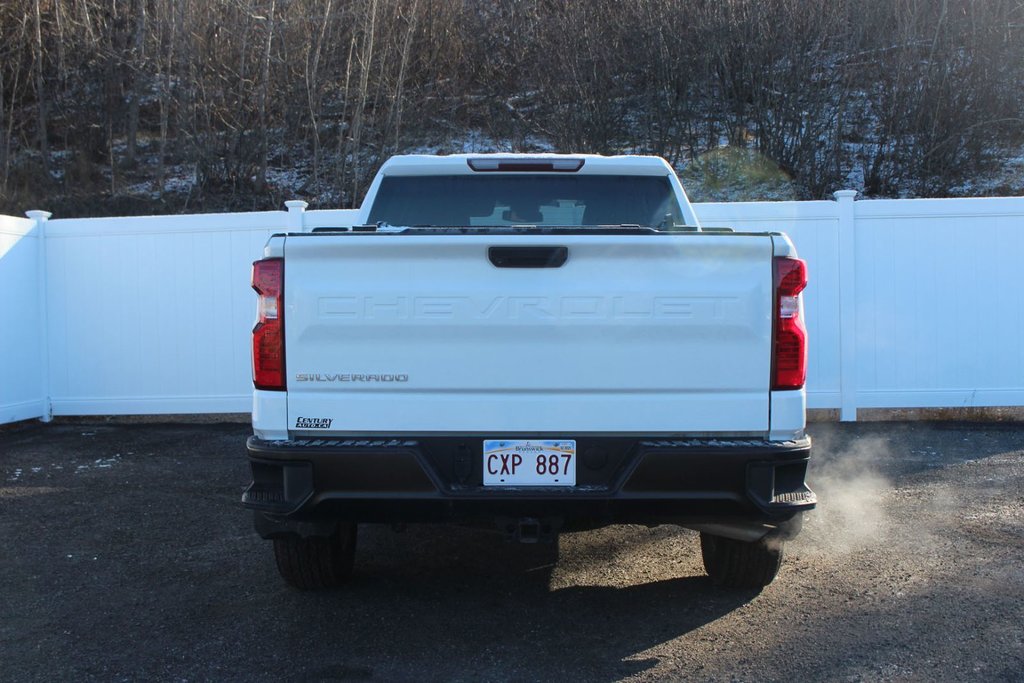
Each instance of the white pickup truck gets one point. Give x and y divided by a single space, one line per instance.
536 342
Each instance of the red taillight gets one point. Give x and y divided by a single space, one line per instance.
789 357
268 335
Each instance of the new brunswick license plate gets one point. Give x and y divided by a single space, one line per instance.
529 463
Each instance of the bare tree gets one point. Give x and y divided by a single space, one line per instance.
41 95
265 85
917 95
137 66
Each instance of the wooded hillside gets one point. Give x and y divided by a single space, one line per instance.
128 106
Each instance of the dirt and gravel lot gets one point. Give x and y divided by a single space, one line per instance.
126 556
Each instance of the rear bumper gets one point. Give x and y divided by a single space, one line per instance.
439 479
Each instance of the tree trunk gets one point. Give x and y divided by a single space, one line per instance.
138 67
365 64
41 113
165 98
396 108
5 146
313 93
261 176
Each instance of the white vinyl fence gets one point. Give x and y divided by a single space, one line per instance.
22 324
912 303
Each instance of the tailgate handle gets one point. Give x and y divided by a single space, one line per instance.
528 257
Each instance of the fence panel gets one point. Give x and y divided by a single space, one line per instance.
940 302
22 374
152 315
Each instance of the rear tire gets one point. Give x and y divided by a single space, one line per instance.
741 564
316 563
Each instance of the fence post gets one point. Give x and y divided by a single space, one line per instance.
40 218
296 214
847 305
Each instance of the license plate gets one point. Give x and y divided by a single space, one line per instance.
529 463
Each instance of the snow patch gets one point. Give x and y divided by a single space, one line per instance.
101 463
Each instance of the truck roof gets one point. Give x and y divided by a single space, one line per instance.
469 164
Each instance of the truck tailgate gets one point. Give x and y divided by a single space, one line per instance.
422 334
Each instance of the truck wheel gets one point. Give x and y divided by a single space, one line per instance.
741 564
317 562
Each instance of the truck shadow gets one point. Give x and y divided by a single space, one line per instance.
463 603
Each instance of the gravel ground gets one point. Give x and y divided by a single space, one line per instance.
126 555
